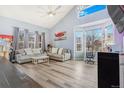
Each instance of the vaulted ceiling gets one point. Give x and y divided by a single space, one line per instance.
42 15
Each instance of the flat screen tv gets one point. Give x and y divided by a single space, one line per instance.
116 13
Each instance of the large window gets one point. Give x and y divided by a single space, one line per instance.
78 37
21 39
109 35
31 40
96 38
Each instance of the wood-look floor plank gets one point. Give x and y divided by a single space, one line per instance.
71 73
61 74
52 75
71 77
89 72
10 77
44 74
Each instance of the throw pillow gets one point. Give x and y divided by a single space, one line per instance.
60 52
54 50
28 51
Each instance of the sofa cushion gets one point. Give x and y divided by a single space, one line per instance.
60 51
21 51
28 51
55 55
37 51
54 50
22 57
25 59
58 56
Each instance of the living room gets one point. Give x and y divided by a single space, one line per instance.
55 46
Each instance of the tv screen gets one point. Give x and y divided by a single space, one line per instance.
116 13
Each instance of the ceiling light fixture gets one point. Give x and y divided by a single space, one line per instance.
51 14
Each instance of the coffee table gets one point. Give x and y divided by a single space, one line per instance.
35 60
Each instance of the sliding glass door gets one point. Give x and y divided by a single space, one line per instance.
94 41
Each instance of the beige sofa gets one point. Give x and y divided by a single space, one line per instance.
24 55
59 54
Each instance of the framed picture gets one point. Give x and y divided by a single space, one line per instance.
60 36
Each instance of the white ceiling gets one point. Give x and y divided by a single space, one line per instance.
35 14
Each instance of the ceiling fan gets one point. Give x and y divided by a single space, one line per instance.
50 10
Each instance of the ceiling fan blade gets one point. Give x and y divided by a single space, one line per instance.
50 7
58 7
60 12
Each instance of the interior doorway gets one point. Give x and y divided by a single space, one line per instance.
5 41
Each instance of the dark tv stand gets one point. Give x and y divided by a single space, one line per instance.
108 70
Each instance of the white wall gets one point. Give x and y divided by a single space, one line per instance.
7 24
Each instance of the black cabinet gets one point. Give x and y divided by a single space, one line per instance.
108 70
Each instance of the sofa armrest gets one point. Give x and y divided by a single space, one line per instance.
67 56
18 57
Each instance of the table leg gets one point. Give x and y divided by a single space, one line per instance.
35 61
48 61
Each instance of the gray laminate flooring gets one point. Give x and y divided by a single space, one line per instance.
10 77
69 74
